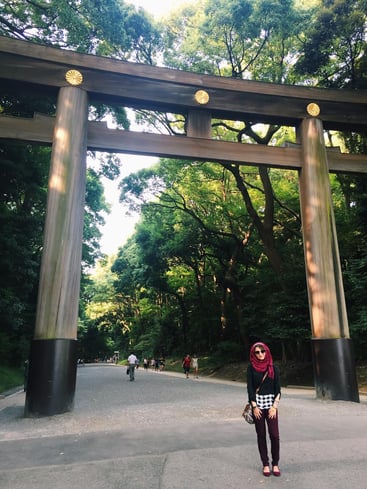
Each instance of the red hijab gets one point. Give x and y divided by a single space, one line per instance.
262 365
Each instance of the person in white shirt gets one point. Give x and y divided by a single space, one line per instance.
132 359
195 365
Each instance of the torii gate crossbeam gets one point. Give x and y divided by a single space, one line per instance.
78 79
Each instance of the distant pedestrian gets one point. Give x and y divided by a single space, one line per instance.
132 359
263 386
195 365
186 363
146 364
156 365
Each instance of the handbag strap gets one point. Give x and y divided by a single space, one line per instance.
261 383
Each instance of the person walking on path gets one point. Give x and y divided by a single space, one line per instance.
195 366
186 365
132 359
263 387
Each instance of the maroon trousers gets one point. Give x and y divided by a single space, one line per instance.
273 429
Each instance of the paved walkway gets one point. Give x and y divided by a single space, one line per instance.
167 432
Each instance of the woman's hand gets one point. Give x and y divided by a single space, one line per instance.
257 412
272 412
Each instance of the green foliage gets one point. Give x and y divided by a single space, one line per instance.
24 173
228 351
356 283
352 231
335 49
216 261
243 39
102 326
10 378
83 26
195 254
95 205
93 343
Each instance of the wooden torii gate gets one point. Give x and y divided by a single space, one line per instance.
78 79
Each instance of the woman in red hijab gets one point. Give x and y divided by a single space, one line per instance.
263 387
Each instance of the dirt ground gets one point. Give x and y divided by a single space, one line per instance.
291 375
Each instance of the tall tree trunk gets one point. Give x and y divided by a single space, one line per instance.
264 227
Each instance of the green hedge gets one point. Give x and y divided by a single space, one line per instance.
10 378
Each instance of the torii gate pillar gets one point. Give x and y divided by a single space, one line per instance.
53 358
334 368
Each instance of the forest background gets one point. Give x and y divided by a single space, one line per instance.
216 259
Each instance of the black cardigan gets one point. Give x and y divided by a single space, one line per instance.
269 386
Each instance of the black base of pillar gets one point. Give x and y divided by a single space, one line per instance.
334 370
52 377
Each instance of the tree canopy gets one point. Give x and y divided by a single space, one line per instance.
216 260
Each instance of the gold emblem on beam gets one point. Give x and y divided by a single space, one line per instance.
74 77
201 97
313 109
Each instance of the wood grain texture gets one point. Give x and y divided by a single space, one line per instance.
58 296
101 138
323 270
148 87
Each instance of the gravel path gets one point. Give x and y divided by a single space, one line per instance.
167 432
114 403
106 401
